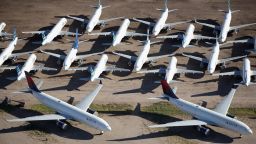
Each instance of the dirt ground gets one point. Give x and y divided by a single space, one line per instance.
131 88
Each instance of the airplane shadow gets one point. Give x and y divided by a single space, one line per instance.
48 127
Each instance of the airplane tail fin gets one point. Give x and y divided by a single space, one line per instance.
76 42
18 69
167 90
14 34
229 8
147 34
31 83
166 4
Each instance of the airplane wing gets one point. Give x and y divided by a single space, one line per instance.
241 41
62 57
101 33
154 58
3 34
108 20
161 71
187 71
8 68
180 123
241 26
132 34
236 73
40 118
78 57
132 58
208 25
80 68
200 37
224 105
34 32
42 67
19 54
113 68
196 58
67 33
78 19
85 103
176 23
145 22
230 59
253 73
168 37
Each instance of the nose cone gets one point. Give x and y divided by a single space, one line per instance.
88 29
44 42
21 77
109 128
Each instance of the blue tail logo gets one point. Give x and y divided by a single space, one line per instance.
18 69
76 42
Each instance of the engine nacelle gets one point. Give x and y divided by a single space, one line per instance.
61 125
203 130
91 111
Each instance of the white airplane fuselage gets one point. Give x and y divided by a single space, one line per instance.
160 23
72 112
213 60
28 65
70 58
171 69
2 26
246 72
121 33
94 19
142 58
100 67
7 52
55 31
188 35
211 117
225 27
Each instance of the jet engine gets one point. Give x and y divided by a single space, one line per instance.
203 130
61 124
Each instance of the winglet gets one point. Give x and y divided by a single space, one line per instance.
167 90
31 83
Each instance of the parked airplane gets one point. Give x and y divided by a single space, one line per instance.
7 52
203 116
143 56
171 70
98 69
161 23
28 66
95 19
245 72
249 41
213 60
49 35
121 33
3 34
225 28
72 55
187 37
66 111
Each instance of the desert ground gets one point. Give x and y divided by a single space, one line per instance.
123 87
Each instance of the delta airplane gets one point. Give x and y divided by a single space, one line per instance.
72 55
49 35
66 111
202 116
249 41
95 19
161 23
245 73
97 70
186 39
3 34
121 33
225 28
143 56
7 52
28 66
213 60
171 70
